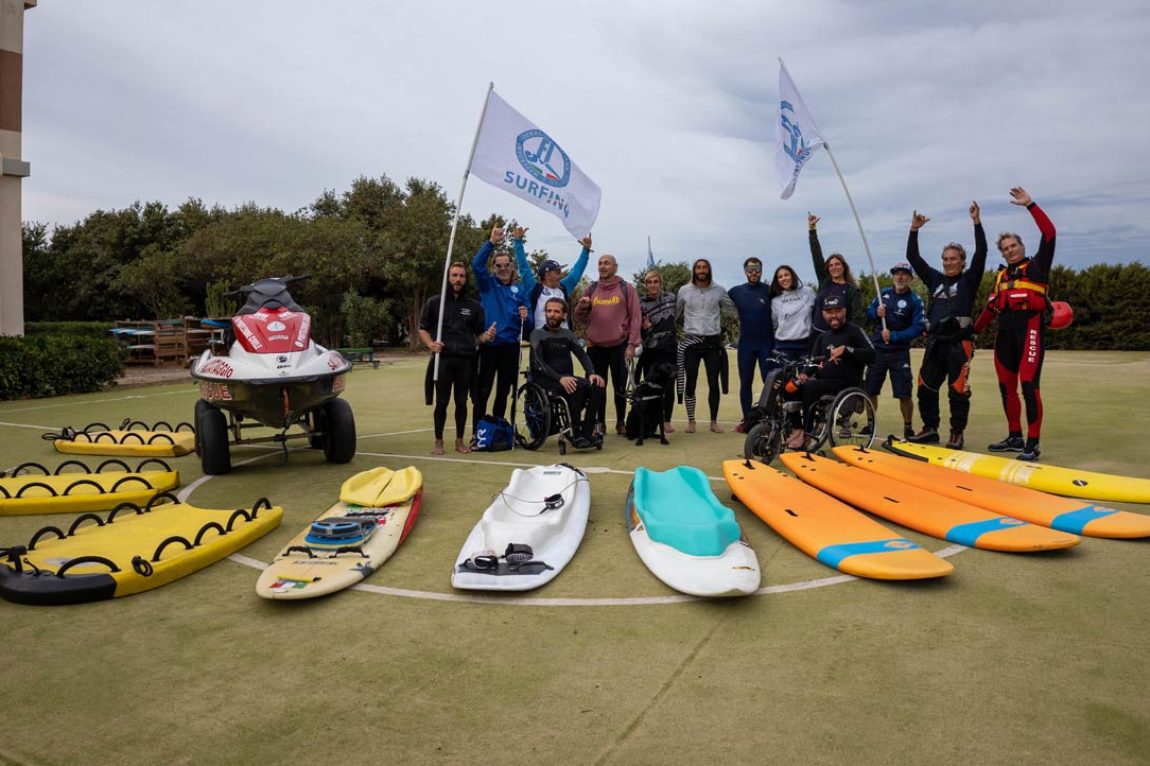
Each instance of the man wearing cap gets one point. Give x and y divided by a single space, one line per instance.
950 329
846 351
550 284
902 309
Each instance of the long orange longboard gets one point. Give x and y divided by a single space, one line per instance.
826 530
1076 516
923 510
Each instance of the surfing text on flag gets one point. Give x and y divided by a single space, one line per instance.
511 153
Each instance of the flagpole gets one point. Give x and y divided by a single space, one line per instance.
866 247
454 224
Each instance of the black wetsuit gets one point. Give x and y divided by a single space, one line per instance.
949 344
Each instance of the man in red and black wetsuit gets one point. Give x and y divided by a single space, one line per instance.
1019 302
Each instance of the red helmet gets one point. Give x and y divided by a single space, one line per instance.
1061 315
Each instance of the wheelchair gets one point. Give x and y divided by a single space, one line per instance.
844 418
540 413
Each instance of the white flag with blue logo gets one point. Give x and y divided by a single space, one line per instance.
514 155
796 135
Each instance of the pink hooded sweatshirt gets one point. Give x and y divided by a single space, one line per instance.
613 317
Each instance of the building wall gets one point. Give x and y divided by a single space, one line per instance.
12 165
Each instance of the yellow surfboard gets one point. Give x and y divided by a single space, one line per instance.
923 510
827 530
383 502
1069 482
1066 514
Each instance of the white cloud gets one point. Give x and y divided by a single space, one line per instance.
669 107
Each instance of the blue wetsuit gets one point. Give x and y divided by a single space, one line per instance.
756 336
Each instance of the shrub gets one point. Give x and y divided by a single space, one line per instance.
53 365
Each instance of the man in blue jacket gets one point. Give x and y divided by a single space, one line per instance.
504 303
756 334
902 309
551 282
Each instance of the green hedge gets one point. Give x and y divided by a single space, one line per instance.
87 329
52 365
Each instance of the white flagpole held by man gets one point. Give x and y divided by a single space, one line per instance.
796 139
511 153
454 224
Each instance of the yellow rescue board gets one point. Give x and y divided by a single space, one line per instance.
1062 513
922 510
1069 482
127 440
76 492
129 551
826 529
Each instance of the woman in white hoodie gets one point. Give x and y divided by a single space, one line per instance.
792 308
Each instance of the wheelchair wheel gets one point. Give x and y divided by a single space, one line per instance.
819 424
763 442
852 419
533 425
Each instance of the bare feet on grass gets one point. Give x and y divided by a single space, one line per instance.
715 427
438 449
690 427
461 446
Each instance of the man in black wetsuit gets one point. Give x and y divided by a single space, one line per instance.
457 347
551 348
1019 302
949 331
846 351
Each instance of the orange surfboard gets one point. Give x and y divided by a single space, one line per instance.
1069 515
827 530
923 510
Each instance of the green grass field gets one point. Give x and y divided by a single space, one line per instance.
1012 659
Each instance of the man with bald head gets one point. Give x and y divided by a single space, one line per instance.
610 309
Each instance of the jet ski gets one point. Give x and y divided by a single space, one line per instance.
272 373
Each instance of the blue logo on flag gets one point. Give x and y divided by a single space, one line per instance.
542 158
796 149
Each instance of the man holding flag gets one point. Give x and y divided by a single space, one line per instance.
510 152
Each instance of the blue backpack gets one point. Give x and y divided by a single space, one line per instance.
492 434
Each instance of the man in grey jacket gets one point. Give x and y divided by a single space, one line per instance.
701 303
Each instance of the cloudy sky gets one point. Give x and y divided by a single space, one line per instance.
669 106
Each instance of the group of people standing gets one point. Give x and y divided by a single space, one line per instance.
784 319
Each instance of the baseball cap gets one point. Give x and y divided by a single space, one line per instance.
901 266
833 302
549 265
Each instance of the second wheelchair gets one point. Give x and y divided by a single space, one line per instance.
844 418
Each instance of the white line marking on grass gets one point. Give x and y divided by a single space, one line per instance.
101 401
522 600
397 433
635 601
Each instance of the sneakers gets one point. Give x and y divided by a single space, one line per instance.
866 430
1030 452
907 431
1009 444
955 441
925 436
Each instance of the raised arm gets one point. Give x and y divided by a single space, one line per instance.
1045 254
922 269
978 260
571 281
817 259
526 275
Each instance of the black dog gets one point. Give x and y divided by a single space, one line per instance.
645 420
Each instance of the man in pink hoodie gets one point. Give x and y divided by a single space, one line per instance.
610 309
